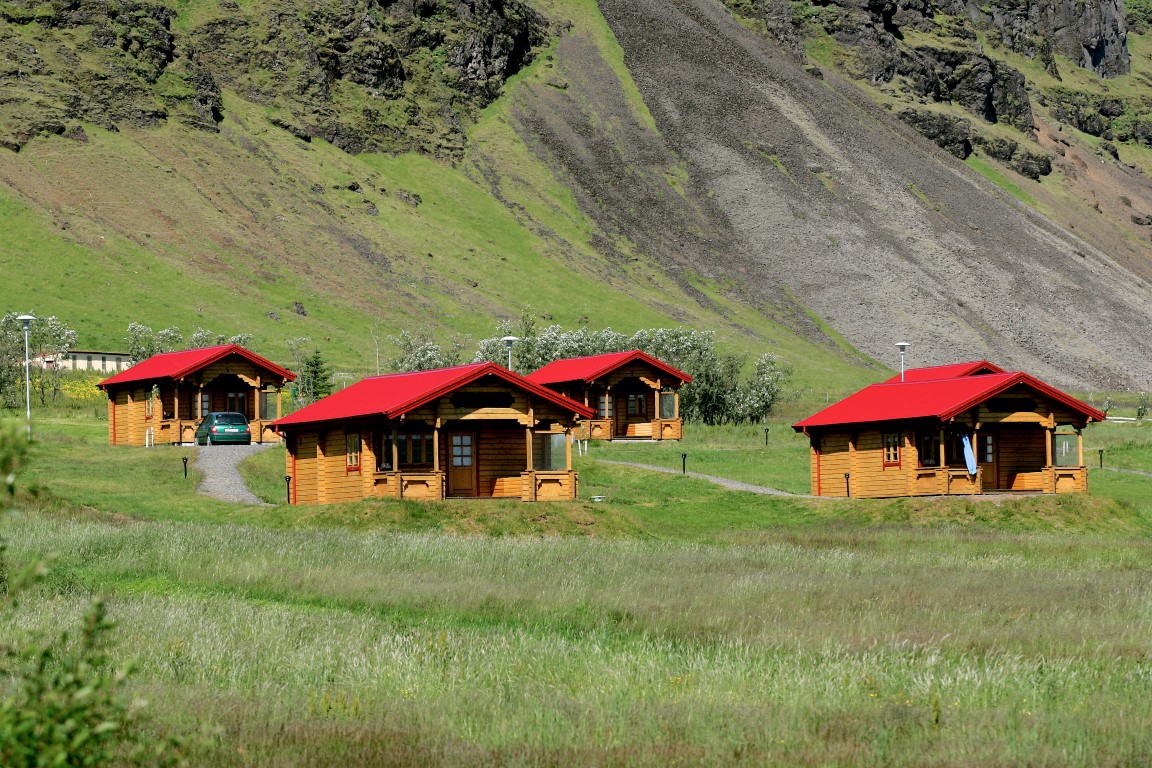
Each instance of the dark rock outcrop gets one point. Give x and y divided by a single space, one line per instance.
952 134
363 74
1093 34
985 87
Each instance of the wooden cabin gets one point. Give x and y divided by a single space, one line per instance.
470 431
160 400
635 395
969 428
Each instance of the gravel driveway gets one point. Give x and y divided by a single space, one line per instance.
221 479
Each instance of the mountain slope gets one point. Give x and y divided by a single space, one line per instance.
797 184
656 165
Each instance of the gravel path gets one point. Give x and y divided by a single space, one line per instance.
221 479
733 484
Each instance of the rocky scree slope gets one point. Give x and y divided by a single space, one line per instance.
985 79
790 183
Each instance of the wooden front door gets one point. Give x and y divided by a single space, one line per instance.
462 464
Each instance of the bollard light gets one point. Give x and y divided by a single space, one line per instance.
288 487
848 484
185 467
683 463
765 437
1101 458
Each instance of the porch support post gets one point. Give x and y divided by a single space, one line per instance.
943 463
200 400
568 450
1079 447
278 403
436 446
395 450
1047 446
851 465
528 435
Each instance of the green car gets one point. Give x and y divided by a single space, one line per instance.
224 427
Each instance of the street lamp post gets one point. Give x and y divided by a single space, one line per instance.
902 346
508 342
27 320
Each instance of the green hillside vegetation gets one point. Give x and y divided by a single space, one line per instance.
236 230
488 633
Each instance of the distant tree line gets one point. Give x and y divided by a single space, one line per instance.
143 342
717 394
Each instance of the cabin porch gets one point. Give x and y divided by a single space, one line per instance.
634 413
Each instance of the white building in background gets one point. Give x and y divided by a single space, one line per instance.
85 360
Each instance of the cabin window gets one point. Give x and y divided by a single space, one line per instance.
928 446
149 409
352 452
237 401
668 405
606 405
89 358
205 403
1065 451
892 450
549 452
461 450
637 405
412 450
103 362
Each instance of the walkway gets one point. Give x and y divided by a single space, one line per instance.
734 485
220 475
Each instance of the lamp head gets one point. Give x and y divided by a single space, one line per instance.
902 346
26 319
509 339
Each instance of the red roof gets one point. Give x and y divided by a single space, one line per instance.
590 368
936 398
177 365
394 394
953 371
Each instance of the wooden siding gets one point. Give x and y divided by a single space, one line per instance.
553 485
337 484
869 477
304 460
501 452
834 463
1021 457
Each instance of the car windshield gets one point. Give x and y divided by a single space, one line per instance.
231 418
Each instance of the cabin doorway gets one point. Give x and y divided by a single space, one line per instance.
462 464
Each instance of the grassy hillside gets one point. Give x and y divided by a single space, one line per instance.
230 230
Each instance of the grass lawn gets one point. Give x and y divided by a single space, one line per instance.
675 623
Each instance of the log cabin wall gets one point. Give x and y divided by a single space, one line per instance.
337 482
871 476
835 461
1021 459
303 467
501 452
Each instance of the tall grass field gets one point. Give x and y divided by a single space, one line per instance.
673 623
